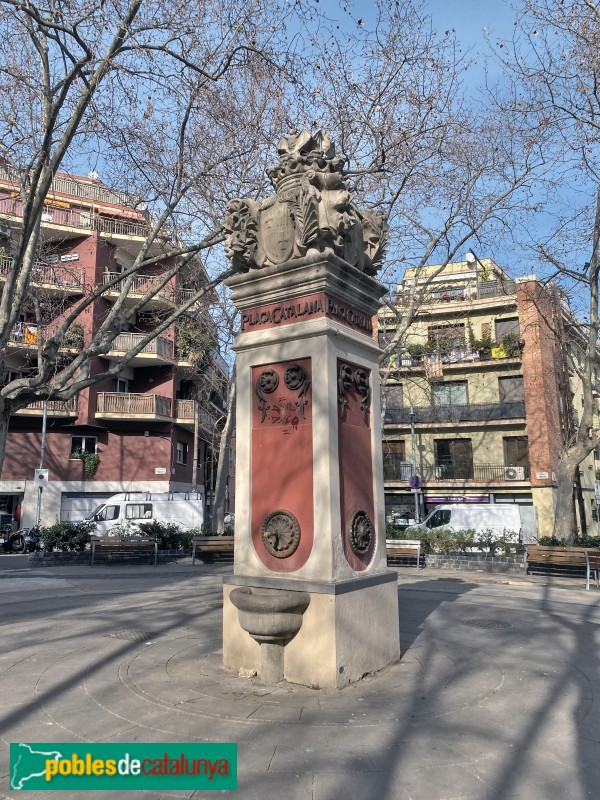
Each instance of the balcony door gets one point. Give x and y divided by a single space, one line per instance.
453 459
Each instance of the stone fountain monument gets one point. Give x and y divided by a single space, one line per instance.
311 599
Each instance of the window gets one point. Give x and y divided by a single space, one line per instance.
182 453
516 451
385 336
394 396
454 333
453 459
452 393
83 444
138 511
122 385
439 518
107 513
504 326
395 466
510 390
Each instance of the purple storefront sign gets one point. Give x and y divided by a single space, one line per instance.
479 498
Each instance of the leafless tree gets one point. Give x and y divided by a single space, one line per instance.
553 68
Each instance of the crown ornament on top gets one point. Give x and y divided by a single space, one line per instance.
311 212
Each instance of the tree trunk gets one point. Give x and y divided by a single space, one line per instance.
218 515
564 515
5 412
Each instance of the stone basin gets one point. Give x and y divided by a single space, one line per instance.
272 617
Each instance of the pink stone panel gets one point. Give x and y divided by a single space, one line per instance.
282 460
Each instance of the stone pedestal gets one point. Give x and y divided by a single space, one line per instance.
309 475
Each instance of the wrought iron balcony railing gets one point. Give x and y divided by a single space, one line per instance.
467 471
474 412
49 274
396 467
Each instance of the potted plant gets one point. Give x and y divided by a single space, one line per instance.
511 344
74 336
90 461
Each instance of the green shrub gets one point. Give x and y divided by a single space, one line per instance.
394 532
67 535
168 535
579 541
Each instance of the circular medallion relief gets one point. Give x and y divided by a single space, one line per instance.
281 533
267 382
360 532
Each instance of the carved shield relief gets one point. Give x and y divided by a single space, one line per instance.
277 232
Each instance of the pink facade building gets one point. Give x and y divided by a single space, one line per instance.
153 428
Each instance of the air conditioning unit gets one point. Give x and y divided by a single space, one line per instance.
514 473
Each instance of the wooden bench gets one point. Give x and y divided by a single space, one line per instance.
212 545
561 560
403 548
134 545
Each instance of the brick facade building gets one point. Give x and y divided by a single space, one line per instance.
153 428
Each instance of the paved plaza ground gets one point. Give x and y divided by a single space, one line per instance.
497 694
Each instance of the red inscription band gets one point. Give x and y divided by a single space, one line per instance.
305 308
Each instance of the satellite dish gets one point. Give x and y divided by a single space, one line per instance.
470 258
93 175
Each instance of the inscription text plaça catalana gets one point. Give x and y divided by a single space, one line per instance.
280 314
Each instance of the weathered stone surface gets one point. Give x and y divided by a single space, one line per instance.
312 212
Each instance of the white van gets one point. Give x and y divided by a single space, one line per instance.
497 517
124 512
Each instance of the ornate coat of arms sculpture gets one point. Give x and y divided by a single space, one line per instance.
311 212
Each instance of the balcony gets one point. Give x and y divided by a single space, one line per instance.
122 405
65 184
50 276
28 335
475 412
461 294
159 349
78 218
141 285
55 408
184 416
396 467
479 473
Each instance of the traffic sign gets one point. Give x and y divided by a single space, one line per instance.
415 482
41 477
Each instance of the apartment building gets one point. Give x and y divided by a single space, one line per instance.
481 397
153 428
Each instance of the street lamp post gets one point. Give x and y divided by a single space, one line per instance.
414 461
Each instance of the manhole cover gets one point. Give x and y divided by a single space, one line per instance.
134 636
488 624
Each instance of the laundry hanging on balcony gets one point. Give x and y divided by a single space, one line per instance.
433 367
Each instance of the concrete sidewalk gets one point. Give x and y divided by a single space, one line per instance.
496 695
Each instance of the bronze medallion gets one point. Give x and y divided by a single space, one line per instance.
281 533
360 532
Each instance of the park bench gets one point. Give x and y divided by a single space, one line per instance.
404 549
211 546
564 561
130 546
